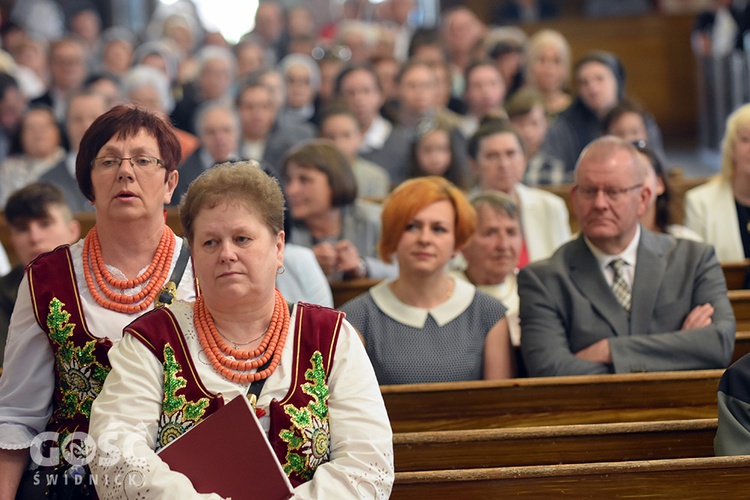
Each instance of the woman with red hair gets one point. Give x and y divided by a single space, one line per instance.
424 326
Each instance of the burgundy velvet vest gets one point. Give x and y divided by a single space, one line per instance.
81 361
299 430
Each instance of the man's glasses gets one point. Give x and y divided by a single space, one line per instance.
612 194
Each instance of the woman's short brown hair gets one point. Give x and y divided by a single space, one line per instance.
323 155
241 182
125 121
413 195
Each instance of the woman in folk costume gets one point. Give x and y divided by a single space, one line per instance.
317 395
75 301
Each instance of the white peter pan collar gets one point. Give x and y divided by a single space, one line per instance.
459 301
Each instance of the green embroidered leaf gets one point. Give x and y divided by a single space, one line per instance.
57 322
291 439
318 389
99 373
308 423
194 411
172 382
178 414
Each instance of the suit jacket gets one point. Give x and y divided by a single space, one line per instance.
283 136
567 305
395 154
710 211
60 177
189 171
8 293
544 219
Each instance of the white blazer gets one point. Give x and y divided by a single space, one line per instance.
710 212
544 220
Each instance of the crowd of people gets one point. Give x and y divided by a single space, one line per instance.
305 155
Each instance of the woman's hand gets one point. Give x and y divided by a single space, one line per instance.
348 260
327 257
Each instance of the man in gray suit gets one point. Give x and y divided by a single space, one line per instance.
620 298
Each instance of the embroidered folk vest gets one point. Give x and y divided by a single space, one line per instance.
81 362
299 431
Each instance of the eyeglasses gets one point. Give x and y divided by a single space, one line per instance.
612 194
140 162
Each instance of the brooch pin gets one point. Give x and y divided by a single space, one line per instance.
167 294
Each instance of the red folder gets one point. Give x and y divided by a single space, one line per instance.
228 454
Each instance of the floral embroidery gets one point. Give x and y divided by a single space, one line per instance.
81 375
309 438
178 414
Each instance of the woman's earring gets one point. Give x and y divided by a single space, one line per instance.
281 270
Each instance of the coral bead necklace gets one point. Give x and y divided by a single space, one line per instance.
218 351
102 284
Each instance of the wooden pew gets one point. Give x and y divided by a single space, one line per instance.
741 345
734 274
704 477
550 445
344 291
740 300
552 401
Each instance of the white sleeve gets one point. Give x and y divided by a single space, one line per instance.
4 262
28 380
303 280
124 423
361 461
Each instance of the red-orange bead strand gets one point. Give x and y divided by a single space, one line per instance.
166 241
217 350
94 269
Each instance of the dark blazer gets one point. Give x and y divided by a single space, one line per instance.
188 171
60 177
44 99
8 293
567 305
284 135
395 155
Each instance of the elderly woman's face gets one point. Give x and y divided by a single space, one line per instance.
308 192
492 252
215 79
235 255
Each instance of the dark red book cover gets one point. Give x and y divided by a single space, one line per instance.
228 454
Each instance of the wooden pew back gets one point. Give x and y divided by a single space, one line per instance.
740 300
709 477
549 445
552 401
346 290
741 345
734 274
